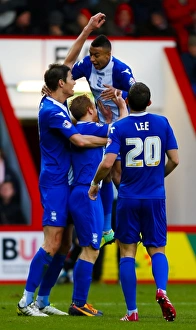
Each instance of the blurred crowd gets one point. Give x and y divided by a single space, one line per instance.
10 196
126 18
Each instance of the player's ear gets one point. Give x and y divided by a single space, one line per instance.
149 103
61 82
90 110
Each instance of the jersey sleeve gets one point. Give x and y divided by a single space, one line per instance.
60 120
123 77
81 68
113 144
171 139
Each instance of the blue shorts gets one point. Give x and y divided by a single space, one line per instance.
141 220
55 204
87 215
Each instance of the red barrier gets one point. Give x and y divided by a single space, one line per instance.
25 162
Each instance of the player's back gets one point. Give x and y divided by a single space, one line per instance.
144 138
86 160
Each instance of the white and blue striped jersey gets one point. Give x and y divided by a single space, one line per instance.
116 73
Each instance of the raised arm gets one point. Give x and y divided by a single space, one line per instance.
120 102
94 23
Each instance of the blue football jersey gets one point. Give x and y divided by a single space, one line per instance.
142 140
55 129
116 74
86 160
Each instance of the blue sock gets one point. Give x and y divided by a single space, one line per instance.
128 281
82 277
160 270
38 267
107 197
50 279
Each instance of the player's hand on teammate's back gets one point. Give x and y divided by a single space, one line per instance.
108 93
45 91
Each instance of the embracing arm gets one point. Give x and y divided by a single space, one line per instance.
172 161
94 23
87 141
103 170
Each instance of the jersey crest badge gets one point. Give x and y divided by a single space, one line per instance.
66 124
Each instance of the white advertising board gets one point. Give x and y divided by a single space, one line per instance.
16 251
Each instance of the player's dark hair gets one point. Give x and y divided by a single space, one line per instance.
54 73
101 41
139 96
79 106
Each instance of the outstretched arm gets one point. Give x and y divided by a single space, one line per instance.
94 23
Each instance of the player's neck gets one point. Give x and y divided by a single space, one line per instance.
136 111
86 118
61 98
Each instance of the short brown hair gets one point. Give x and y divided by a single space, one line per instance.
79 106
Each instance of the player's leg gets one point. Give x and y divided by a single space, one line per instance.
38 267
52 274
59 204
128 279
154 239
54 220
88 220
82 278
107 197
160 271
127 231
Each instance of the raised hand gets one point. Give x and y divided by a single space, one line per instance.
106 111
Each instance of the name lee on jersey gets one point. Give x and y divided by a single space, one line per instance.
142 126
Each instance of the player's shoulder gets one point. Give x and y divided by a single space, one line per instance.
84 61
122 70
120 123
159 120
119 64
158 117
53 107
91 128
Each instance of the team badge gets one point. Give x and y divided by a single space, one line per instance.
94 239
53 216
131 81
99 124
67 124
